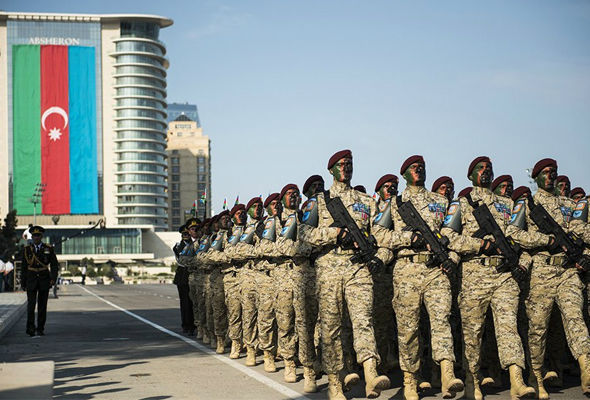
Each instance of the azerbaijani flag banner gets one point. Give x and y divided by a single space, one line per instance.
54 128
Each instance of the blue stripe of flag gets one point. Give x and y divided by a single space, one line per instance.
82 103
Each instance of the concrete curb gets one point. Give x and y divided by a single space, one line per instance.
9 320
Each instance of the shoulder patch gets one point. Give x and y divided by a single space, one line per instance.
453 217
518 217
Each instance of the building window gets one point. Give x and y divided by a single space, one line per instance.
202 187
176 204
175 169
174 151
175 195
175 186
176 212
175 160
175 221
175 178
201 169
201 160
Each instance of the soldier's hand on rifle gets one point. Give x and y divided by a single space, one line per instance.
488 247
418 242
519 273
375 265
553 246
345 240
448 266
583 264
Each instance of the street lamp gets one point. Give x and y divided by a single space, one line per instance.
36 198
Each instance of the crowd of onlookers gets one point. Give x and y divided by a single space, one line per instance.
6 275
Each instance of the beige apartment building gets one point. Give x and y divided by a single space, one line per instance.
189 171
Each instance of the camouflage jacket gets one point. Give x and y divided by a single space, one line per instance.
231 250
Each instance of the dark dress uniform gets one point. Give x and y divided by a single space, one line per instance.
40 267
181 282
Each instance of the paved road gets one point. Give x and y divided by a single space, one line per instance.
123 342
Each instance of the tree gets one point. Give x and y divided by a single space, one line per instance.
8 239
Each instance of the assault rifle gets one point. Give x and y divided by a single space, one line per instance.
572 245
509 249
436 241
367 246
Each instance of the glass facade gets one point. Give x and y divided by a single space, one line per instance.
190 110
140 82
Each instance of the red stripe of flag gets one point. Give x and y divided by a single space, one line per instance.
55 143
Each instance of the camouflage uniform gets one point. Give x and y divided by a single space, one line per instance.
340 280
231 285
215 261
187 257
414 283
482 286
202 283
244 253
551 282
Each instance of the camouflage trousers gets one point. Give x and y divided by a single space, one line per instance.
233 302
343 284
482 287
266 293
217 312
553 284
414 284
249 306
383 319
305 304
195 283
284 312
207 314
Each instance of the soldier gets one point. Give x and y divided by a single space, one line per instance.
244 253
562 186
415 282
231 281
383 318
187 257
465 192
445 187
577 194
181 282
341 280
503 186
215 260
482 285
39 273
202 282
553 280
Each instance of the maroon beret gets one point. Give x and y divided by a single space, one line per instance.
546 162
223 213
500 179
310 181
253 201
337 156
474 163
384 179
206 221
360 188
562 178
410 160
270 198
465 191
443 179
519 192
237 208
287 187
577 190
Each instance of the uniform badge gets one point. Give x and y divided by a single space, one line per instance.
361 209
503 209
566 212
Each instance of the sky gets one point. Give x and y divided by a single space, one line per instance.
282 85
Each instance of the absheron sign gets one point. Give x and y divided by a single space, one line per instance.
55 40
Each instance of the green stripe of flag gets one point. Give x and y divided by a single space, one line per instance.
26 125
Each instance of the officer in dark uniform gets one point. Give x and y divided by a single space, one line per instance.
181 282
39 273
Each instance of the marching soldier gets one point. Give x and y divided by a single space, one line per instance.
187 257
577 194
342 282
39 273
445 187
181 282
482 284
562 186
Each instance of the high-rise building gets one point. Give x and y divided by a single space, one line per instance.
189 171
190 110
83 100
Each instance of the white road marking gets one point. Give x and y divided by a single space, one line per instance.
292 394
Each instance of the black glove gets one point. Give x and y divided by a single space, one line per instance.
345 240
448 266
583 263
488 248
519 273
553 247
375 265
417 242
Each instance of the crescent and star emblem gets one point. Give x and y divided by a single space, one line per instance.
54 133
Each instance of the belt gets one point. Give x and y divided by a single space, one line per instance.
418 258
554 260
37 269
491 261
